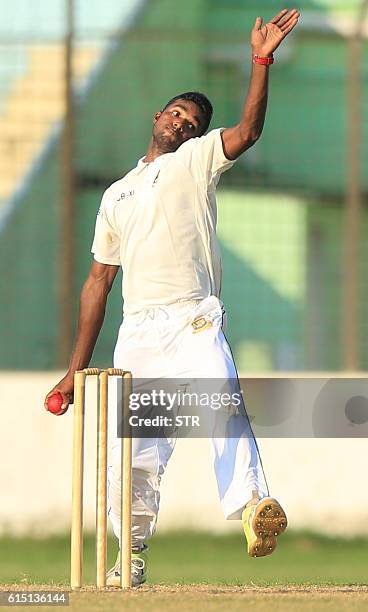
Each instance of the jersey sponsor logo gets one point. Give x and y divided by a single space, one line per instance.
201 324
125 195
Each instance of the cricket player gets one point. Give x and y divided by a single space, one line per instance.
159 224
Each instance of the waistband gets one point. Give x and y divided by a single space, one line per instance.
172 306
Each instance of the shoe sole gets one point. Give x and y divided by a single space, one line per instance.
269 521
115 584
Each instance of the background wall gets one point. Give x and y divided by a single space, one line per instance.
316 479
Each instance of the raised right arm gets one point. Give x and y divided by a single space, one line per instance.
92 306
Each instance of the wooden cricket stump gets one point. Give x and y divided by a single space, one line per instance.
76 572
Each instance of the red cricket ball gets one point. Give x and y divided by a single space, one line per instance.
54 404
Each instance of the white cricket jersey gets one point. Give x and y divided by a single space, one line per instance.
159 223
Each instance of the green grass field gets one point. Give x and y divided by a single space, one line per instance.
188 570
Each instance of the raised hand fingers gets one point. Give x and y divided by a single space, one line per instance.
288 25
279 16
283 19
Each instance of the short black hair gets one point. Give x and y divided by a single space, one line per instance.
201 101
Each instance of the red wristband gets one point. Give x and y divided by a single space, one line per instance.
265 61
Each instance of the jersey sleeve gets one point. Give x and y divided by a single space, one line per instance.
207 158
106 241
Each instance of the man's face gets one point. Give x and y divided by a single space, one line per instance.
176 124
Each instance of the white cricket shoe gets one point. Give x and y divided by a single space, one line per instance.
138 569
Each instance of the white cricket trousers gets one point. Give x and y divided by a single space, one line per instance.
161 342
